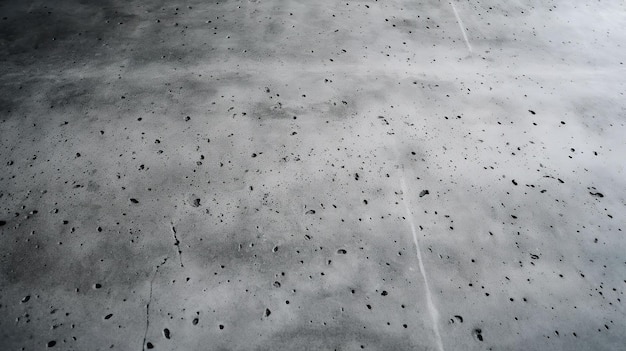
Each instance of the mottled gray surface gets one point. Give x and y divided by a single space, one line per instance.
312 175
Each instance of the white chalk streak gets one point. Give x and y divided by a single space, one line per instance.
434 314
458 19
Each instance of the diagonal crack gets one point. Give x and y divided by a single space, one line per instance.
177 244
145 334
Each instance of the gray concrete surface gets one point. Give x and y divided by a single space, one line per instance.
312 175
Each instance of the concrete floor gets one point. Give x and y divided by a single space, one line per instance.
312 175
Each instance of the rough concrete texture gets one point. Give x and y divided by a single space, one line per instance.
312 175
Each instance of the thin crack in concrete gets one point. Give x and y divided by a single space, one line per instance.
177 244
145 334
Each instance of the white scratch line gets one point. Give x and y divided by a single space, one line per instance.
434 314
458 19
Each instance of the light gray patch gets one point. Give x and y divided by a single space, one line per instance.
92 186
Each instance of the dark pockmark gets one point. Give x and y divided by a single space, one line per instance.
342 251
424 193
478 334
133 200
166 333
